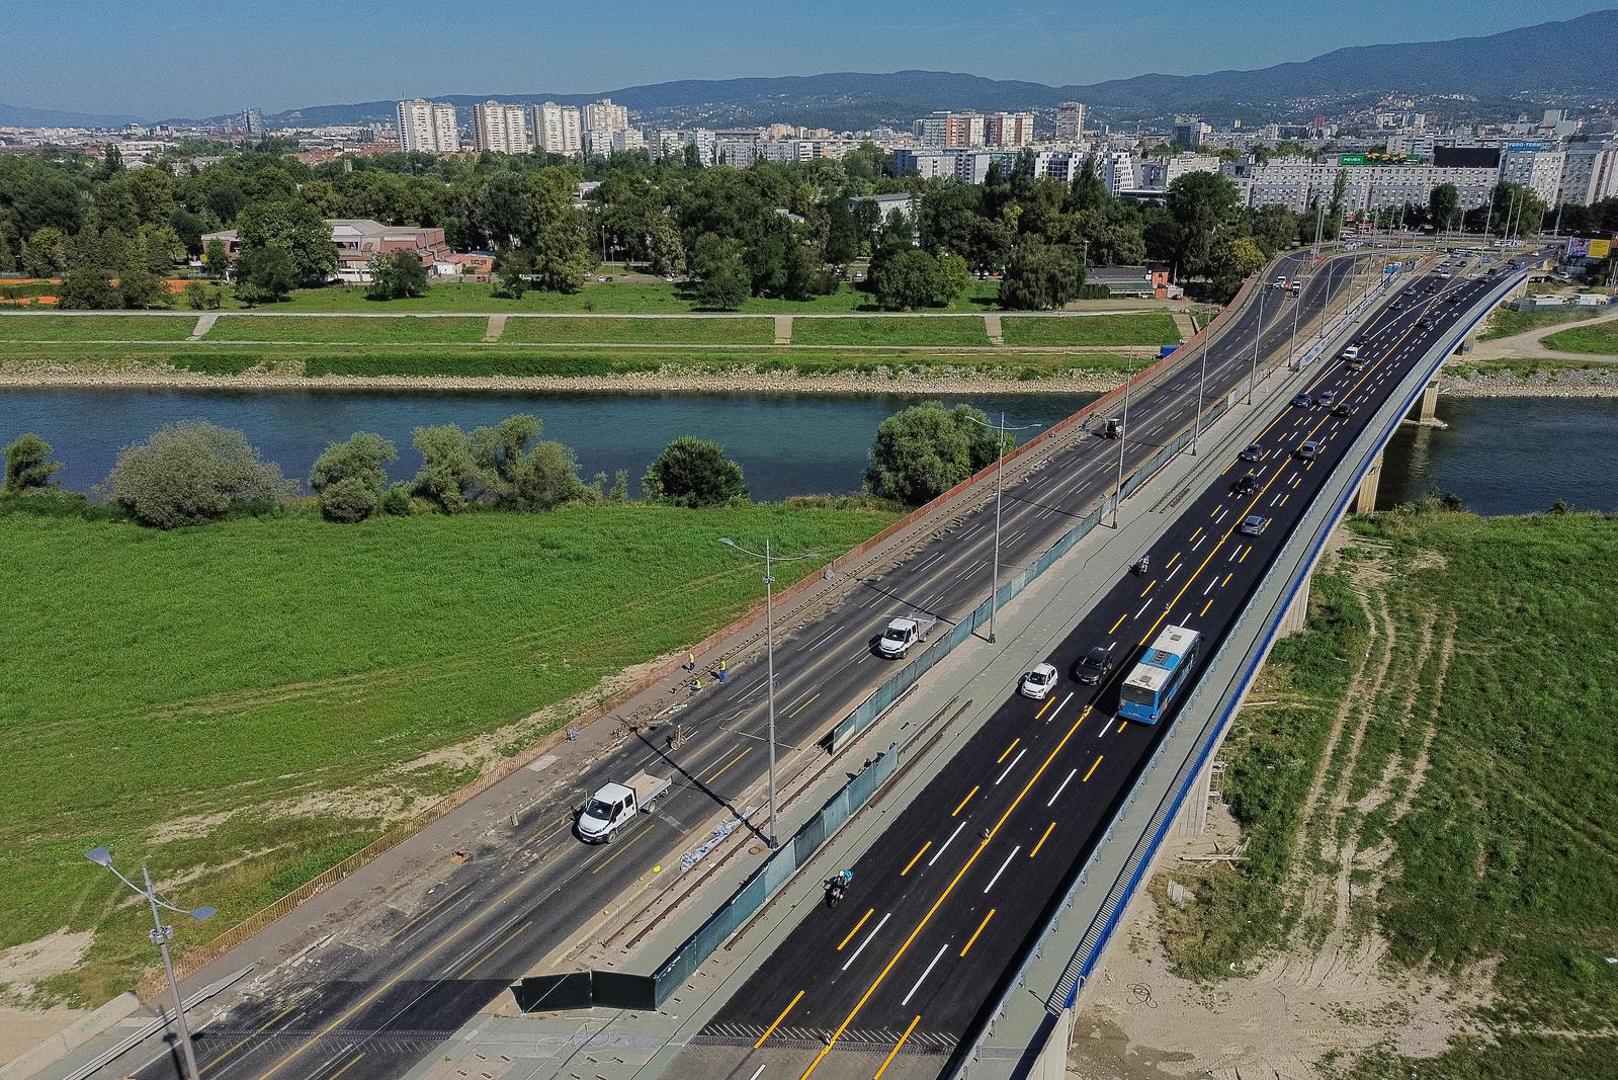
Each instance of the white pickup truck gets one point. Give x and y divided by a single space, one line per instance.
615 805
903 633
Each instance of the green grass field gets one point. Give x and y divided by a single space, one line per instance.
1505 322
94 328
179 700
317 330
614 298
948 330
1477 749
566 330
1135 328
1599 340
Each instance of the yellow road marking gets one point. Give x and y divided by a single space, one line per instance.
1149 586
851 933
497 946
1043 709
1246 553
1172 559
347 1067
1205 607
806 703
1215 511
726 768
1195 535
919 853
1119 623
966 867
610 859
964 801
895 1051
1093 766
1037 846
1222 584
1007 750
969 941
1121 725
272 1021
771 1029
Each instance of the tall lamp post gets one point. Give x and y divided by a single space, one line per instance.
999 473
1258 333
769 559
160 936
1123 433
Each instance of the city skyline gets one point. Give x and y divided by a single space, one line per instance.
68 62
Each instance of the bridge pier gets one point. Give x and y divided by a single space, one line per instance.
1427 408
1297 611
1365 498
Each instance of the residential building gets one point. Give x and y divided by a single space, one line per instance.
1590 173
1298 182
1159 173
627 139
945 129
1008 129
971 166
251 122
1069 121
1189 131
428 127
499 129
603 115
558 129
1118 171
1535 167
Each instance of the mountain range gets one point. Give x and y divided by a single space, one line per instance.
1499 74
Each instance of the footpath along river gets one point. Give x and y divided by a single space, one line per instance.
1499 455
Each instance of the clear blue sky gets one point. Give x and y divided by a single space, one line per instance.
162 58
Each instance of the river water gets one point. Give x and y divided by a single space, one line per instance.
787 444
1499 455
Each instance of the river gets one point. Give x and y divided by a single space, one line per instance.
787 444
1499 455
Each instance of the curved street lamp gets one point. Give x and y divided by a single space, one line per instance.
999 473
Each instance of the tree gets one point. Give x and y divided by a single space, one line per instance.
29 464
398 276
294 228
190 473
925 450
200 297
349 476
1443 206
449 476
1274 226
908 278
546 477
45 253
665 250
1040 277
694 472
264 275
1202 206
88 290
216 259
723 280
138 287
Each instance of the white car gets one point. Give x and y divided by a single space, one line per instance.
1038 682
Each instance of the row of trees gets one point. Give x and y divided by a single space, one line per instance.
195 472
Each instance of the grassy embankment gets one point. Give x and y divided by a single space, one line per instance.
1469 788
1599 340
561 346
1141 328
1505 322
246 703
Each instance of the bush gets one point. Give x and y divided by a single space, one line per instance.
694 472
395 502
397 277
193 472
1040 277
925 450
348 500
29 464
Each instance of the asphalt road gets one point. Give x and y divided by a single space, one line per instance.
947 900
387 991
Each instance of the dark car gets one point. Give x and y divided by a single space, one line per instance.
1303 401
1253 452
1356 365
1341 409
1247 483
1093 666
1253 525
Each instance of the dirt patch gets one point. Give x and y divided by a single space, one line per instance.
23 1029
23 965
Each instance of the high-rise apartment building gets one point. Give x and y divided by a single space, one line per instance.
603 115
944 128
1590 173
499 129
251 122
1534 167
428 127
1069 121
1008 129
558 129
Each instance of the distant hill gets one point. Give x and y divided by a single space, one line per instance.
24 116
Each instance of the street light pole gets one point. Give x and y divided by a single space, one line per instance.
160 935
999 486
1123 433
1202 380
1258 333
769 654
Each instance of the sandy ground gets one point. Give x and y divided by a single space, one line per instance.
1326 993
21 1029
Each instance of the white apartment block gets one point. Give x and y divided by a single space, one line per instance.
1297 182
1118 171
1159 173
558 129
972 166
499 129
427 127
1536 169
628 139
1069 121
603 115
1590 173
944 129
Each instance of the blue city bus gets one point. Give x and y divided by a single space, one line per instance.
1159 675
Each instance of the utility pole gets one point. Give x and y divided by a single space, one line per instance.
1202 379
999 487
1123 433
1258 332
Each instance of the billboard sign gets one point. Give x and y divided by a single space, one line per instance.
1524 147
1580 248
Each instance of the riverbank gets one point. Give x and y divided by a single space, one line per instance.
1531 379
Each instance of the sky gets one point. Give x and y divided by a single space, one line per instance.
193 58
